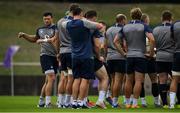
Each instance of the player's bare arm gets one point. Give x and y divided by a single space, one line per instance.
117 44
97 47
152 44
30 38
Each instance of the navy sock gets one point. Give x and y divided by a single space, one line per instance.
163 93
142 95
155 89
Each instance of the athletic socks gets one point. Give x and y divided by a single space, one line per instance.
135 102
128 102
163 93
48 100
155 89
101 96
61 98
80 102
124 99
67 100
41 100
142 95
108 94
172 98
156 100
143 101
115 100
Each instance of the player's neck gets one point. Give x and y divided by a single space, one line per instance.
77 17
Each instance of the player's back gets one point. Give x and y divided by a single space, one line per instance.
81 39
65 40
110 35
164 42
134 34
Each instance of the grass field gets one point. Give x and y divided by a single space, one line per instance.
28 104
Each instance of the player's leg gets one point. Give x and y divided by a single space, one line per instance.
119 69
70 80
116 88
163 68
102 76
49 87
42 95
86 73
83 92
178 94
129 81
61 88
110 70
175 80
76 69
62 81
139 78
155 88
48 67
140 69
173 89
142 96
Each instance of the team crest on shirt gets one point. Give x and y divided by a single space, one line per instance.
41 31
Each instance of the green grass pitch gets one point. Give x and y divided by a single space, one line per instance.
29 104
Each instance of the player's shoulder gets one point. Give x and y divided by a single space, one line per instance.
176 22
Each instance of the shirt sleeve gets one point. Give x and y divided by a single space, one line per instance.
147 29
97 34
89 24
37 33
172 31
64 24
121 34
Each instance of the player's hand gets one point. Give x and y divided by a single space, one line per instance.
39 41
101 59
20 34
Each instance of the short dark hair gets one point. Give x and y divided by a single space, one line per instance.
144 17
90 14
48 14
166 15
73 6
120 17
77 11
102 22
136 13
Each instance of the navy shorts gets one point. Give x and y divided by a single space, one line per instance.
83 68
176 63
117 66
97 64
163 67
49 64
151 66
136 64
66 61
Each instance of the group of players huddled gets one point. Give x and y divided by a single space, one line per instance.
119 57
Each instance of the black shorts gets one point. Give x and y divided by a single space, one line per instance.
97 64
136 64
49 64
83 68
151 66
176 63
163 67
66 61
117 66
